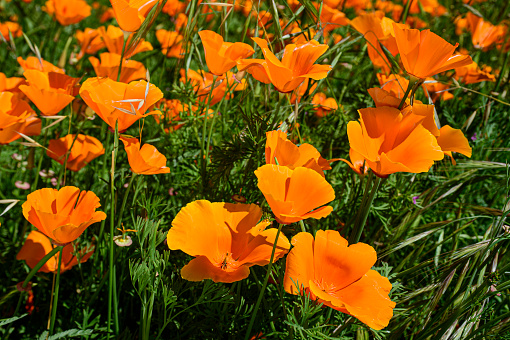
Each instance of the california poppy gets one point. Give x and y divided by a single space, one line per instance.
483 33
90 41
37 245
294 195
225 239
281 151
10 84
84 150
34 63
118 102
171 43
146 160
108 66
62 215
357 162
429 6
297 64
395 84
221 56
130 14
324 104
202 82
425 54
472 74
172 109
113 38
16 115
437 90
331 18
338 275
49 91
10 27
68 12
173 7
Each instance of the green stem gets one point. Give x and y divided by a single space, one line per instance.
266 279
406 10
122 57
364 209
111 280
409 88
124 201
55 297
502 73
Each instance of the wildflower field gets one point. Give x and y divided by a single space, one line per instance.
272 169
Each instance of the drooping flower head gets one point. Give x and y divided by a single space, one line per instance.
84 150
146 160
108 66
16 115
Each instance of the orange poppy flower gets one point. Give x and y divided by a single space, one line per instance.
280 149
338 275
324 105
225 239
37 245
357 162
50 92
119 102
222 56
394 84
430 6
108 66
84 150
113 38
68 12
173 7
172 110
146 160
130 14
16 115
425 54
62 215
10 84
90 42
437 90
297 64
331 18
171 43
390 8
472 74
294 195
12 27
483 33
34 63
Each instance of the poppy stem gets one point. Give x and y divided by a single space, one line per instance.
111 265
122 56
55 297
124 200
411 88
263 289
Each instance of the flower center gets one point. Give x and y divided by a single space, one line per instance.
227 263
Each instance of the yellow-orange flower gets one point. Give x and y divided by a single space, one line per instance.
437 90
68 12
130 14
221 56
114 101
225 239
295 195
10 84
62 215
339 276
146 160
90 42
171 43
16 115
51 91
37 245
425 54
297 64
84 150
108 66
394 84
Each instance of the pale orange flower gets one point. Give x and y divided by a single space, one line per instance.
34 63
324 104
84 150
331 18
16 115
9 26
146 160
338 275
130 14
225 239
108 66
173 7
68 12
294 195
62 215
430 6
113 38
171 43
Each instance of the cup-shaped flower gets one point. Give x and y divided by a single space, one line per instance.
171 43
425 54
295 195
62 215
16 115
146 160
130 14
49 91
10 84
339 276
221 56
226 240
297 64
483 33
90 41
37 245
34 63
281 151
12 28
324 105
68 12
113 38
82 150
114 101
108 66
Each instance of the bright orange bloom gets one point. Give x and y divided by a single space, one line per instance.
130 14
294 195
171 43
37 245
280 149
109 67
146 160
331 18
430 6
483 33
90 42
297 64
437 90
390 8
62 215
226 240
396 85
16 115
472 74
358 164
172 110
10 84
34 63
50 92
12 27
84 150
113 38
425 54
173 7
324 105
338 275
118 102
222 56
68 12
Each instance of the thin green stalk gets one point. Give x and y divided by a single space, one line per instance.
55 296
266 279
406 11
122 56
364 209
124 200
502 73
409 88
111 280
